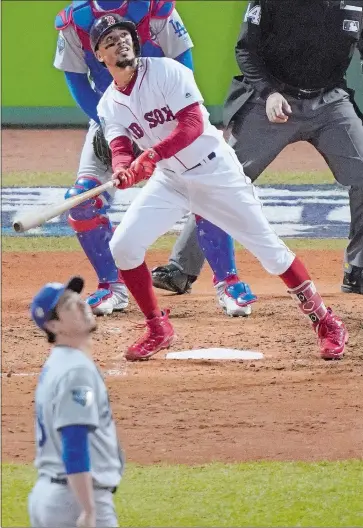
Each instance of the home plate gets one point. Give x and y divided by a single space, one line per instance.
215 353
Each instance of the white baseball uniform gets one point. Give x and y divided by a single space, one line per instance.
70 57
71 391
205 177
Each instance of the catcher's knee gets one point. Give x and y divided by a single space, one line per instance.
91 213
126 252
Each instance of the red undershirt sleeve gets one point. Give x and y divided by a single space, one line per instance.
190 126
122 152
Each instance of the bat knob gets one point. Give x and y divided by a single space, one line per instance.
18 227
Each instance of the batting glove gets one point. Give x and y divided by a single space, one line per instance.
144 165
124 178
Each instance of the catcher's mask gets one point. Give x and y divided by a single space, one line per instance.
108 22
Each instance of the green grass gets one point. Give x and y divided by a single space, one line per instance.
34 244
295 178
37 179
255 494
49 179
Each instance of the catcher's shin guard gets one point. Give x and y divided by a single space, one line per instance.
93 228
218 249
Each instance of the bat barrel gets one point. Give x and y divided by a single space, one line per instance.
37 218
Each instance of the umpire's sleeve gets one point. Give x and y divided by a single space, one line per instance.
360 48
248 46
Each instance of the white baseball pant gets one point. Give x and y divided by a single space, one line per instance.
217 190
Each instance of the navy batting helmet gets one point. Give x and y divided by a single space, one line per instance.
102 25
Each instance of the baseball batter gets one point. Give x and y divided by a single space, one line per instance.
156 102
162 32
78 458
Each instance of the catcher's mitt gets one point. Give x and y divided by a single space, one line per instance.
101 148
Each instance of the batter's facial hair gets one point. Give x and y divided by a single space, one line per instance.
124 63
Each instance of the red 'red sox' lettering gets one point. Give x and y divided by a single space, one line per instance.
159 117
136 131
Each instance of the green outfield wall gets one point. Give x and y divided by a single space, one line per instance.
35 93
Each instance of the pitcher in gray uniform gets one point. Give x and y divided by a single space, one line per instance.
294 55
78 458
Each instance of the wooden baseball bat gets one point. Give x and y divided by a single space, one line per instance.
37 218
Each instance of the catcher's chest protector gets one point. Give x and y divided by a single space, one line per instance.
81 15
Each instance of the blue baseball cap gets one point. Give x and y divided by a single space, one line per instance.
47 299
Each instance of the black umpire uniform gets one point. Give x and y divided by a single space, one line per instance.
302 50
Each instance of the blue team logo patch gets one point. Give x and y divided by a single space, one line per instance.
83 396
61 44
179 29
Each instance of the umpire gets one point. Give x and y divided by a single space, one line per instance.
294 55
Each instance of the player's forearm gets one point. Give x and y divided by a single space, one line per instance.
82 486
122 152
190 126
83 94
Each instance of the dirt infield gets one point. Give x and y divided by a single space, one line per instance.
289 406
58 151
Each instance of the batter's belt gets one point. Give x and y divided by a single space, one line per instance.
64 482
210 156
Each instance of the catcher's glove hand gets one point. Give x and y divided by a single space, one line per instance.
101 148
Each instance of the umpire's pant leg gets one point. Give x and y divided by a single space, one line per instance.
187 254
257 142
340 141
354 251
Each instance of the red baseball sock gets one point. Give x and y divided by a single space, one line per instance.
139 282
303 290
296 274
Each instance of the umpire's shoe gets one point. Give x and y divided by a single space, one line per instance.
171 278
353 280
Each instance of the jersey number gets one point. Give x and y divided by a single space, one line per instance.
179 29
136 131
253 14
41 436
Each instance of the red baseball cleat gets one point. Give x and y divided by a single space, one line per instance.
159 335
332 336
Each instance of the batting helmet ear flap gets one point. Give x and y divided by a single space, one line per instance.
107 22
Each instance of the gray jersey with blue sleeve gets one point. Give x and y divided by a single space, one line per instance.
70 56
71 391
